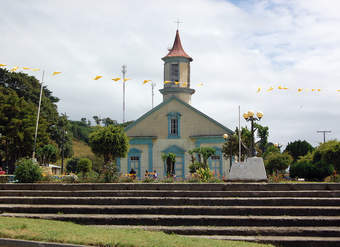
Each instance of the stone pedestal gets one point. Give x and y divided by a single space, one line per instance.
251 170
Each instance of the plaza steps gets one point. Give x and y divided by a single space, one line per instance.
282 214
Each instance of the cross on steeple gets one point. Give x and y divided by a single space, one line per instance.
178 22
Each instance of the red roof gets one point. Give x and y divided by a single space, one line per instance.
177 49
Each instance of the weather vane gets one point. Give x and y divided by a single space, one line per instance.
178 22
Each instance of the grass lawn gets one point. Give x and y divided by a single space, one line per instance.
66 232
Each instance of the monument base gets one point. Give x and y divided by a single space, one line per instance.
251 171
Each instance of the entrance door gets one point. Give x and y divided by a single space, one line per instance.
135 164
179 166
216 165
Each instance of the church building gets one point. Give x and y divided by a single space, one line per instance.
174 126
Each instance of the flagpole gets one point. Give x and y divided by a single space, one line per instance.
38 115
239 133
124 71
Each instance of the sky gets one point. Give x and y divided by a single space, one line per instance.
236 46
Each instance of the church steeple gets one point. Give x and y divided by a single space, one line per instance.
177 49
177 73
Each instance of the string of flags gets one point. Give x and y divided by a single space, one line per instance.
97 77
300 90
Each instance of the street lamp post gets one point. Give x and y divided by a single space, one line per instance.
250 116
226 137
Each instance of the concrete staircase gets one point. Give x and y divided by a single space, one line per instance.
281 214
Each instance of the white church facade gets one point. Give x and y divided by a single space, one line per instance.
174 126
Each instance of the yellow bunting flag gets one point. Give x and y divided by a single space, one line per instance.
26 68
338 90
146 81
35 69
115 79
2 65
285 88
200 84
299 89
166 82
97 77
14 68
176 82
56 73
313 90
319 90
258 90
279 87
184 84
270 89
126 79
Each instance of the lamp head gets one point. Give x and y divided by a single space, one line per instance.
250 113
225 136
245 116
259 115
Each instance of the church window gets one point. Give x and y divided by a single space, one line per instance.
174 125
174 72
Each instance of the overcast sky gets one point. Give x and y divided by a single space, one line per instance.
237 46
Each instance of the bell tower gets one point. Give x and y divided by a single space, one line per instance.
177 73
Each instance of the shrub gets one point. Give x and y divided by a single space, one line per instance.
204 174
72 165
91 177
328 153
309 171
148 180
195 166
84 166
277 162
126 180
111 173
27 171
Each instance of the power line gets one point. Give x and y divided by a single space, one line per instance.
324 134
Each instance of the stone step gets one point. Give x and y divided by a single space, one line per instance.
176 186
187 220
211 201
172 210
169 193
284 241
239 231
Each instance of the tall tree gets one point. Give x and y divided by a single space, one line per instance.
262 133
17 127
19 96
110 142
298 148
233 144
97 120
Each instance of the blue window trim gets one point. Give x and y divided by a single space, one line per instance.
138 153
208 139
217 153
118 164
179 153
145 141
174 115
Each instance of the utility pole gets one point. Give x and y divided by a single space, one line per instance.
153 94
324 134
124 71
38 115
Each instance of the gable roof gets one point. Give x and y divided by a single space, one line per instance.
183 103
